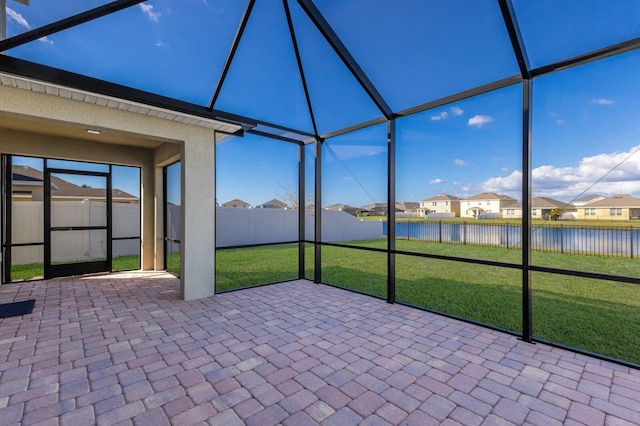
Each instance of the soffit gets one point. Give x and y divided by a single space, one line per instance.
70 130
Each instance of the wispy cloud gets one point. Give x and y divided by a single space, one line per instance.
442 116
18 18
159 43
436 181
459 162
21 21
556 117
147 9
569 182
456 111
479 120
602 101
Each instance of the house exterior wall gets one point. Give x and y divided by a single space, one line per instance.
440 206
487 206
195 148
604 213
512 213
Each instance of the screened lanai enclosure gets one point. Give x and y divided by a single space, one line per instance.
475 158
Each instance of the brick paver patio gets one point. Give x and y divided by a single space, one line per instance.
123 349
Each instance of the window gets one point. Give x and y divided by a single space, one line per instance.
534 212
434 203
589 212
446 203
615 212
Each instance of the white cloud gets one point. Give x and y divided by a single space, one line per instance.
159 43
569 182
602 101
18 18
456 111
436 181
479 120
442 116
147 9
459 162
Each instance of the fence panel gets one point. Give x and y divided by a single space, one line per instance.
237 226
28 227
574 239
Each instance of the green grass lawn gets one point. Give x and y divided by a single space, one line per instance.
32 271
246 267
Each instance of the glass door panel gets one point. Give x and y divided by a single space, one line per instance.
78 246
78 200
79 222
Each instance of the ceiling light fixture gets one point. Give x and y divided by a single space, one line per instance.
93 131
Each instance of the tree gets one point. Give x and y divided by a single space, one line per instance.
289 196
556 213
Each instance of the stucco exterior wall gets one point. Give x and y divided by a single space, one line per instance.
604 214
198 217
170 140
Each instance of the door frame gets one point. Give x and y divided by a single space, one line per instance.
76 268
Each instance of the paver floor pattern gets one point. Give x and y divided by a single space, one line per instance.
124 349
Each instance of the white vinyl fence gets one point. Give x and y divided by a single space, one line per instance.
238 226
28 227
235 227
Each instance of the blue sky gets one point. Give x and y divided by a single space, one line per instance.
585 120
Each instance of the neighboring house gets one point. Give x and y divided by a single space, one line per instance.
273 204
541 208
409 207
345 208
442 203
237 203
487 204
28 185
586 199
376 209
618 207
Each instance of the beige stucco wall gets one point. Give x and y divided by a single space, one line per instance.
441 206
173 140
32 144
604 214
198 220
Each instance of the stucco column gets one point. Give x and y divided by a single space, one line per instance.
149 246
198 223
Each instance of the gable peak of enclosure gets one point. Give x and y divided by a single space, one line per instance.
312 68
